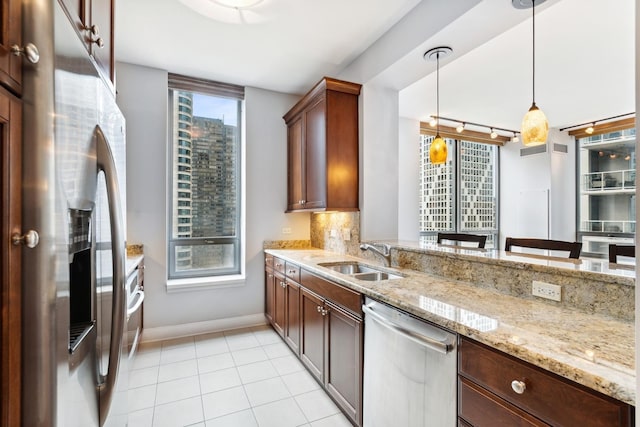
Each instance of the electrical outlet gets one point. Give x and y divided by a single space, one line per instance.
346 234
546 290
286 230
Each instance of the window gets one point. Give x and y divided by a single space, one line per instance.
205 190
462 194
606 204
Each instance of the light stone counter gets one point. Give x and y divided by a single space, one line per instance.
594 350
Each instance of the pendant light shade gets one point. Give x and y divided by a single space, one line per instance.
535 127
438 149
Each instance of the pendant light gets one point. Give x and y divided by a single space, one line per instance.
535 127
438 148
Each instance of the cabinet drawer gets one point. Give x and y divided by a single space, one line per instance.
547 396
344 297
292 271
481 408
278 265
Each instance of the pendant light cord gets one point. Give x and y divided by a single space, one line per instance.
534 50
438 93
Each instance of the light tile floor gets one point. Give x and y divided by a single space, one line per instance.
240 378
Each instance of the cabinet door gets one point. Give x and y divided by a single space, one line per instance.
279 306
315 155
295 169
102 15
11 34
312 334
343 378
10 292
292 325
269 294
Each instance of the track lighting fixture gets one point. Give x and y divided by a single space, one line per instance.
515 137
464 124
589 130
493 134
460 128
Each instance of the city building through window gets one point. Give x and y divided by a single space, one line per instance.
607 191
460 195
205 188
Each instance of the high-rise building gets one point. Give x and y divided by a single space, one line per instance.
182 191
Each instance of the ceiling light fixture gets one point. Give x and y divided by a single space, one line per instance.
535 127
592 124
465 124
515 137
438 148
589 130
433 122
493 134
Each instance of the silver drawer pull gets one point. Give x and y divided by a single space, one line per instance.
518 386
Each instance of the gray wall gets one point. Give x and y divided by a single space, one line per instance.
142 97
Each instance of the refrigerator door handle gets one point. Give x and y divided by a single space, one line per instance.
106 164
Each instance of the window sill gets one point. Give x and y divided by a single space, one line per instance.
204 283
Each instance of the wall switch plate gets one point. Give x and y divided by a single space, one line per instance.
286 230
546 290
346 234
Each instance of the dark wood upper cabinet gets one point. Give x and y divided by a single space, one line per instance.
10 286
10 35
102 15
322 148
94 23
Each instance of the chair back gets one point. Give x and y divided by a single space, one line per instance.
455 237
621 250
573 248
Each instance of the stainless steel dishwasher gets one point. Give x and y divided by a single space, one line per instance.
409 370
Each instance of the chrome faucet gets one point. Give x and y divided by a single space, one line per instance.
384 253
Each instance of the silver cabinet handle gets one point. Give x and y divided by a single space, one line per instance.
30 239
29 51
518 386
291 271
324 311
284 285
319 308
95 31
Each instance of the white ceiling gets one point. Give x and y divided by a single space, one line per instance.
584 63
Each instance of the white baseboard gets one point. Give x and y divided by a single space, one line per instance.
197 328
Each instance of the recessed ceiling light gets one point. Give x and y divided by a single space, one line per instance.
238 4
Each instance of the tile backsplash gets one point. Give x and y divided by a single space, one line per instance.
336 232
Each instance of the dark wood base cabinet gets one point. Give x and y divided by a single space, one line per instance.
495 389
322 323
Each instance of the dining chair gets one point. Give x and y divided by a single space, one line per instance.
573 248
621 250
456 237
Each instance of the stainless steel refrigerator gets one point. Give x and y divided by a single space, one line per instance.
74 310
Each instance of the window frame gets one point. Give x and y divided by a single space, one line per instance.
177 84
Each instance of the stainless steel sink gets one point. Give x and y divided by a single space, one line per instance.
349 268
376 275
360 271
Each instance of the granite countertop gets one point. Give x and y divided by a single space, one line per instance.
595 351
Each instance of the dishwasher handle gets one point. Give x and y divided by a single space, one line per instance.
443 347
